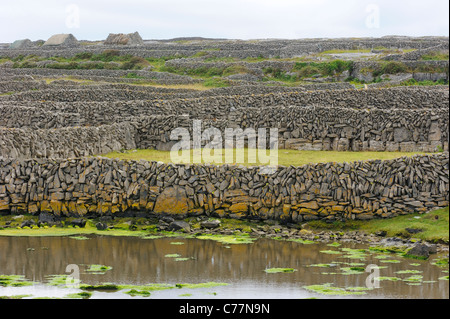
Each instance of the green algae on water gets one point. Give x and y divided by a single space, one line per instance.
201 285
401 272
381 278
177 243
329 290
228 239
280 270
331 252
80 295
172 256
141 293
14 281
98 269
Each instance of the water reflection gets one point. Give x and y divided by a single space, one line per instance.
142 261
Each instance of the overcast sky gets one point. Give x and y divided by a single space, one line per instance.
236 19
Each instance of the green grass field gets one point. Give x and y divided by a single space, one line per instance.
285 157
434 225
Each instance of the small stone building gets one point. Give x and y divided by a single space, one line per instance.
124 39
62 40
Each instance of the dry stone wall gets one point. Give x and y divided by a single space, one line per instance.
99 186
302 128
240 49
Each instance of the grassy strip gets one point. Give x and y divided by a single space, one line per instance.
285 157
434 225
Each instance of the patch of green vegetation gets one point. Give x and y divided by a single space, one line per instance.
14 281
185 295
141 293
381 278
413 82
441 262
80 295
177 243
216 83
149 287
307 69
335 244
391 67
61 280
302 241
102 287
331 252
414 278
434 223
211 284
443 278
390 261
133 75
285 158
16 297
79 237
329 290
172 256
184 258
354 253
353 270
228 239
98 269
280 270
435 56
401 272
322 265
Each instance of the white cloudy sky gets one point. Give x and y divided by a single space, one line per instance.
238 19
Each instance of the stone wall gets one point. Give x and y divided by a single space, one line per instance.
300 127
245 96
99 186
241 49
65 142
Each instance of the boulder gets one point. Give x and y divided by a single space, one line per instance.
78 222
101 226
210 224
21 44
179 225
422 250
27 223
46 218
172 201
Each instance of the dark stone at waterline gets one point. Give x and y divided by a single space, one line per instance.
101 226
381 233
179 225
27 223
422 250
211 224
78 222
46 218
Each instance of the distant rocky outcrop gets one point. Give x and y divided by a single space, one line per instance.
21 44
66 40
124 39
